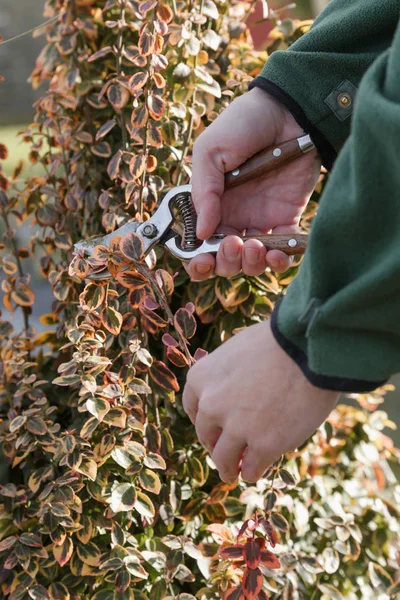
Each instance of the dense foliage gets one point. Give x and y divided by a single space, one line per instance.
108 493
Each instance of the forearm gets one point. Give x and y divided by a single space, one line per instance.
318 76
340 319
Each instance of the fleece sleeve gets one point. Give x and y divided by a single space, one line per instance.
340 317
318 77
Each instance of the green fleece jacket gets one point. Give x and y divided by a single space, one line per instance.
340 318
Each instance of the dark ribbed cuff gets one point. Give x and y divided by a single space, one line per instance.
324 147
326 382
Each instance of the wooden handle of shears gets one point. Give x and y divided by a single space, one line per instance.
289 243
268 160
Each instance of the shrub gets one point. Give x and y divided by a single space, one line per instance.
108 493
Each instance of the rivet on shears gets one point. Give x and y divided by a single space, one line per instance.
277 152
236 172
292 243
150 230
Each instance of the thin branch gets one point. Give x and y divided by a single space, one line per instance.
20 35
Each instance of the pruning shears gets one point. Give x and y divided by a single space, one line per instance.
158 229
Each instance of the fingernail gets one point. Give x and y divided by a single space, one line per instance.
203 268
252 255
231 252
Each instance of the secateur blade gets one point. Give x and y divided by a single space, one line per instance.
155 230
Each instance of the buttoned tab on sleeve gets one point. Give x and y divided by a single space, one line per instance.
340 317
318 77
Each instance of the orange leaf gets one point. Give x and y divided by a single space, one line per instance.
132 280
156 107
177 357
252 554
118 95
139 116
132 246
234 594
63 553
137 81
3 152
270 560
252 583
137 165
23 296
154 137
165 378
79 266
99 255
164 13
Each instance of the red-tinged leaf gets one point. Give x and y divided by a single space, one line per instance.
270 560
23 296
99 255
136 297
145 7
106 128
234 594
8 543
156 107
137 165
131 279
138 81
199 354
111 319
252 583
177 357
270 531
118 96
63 553
122 581
132 246
260 542
168 340
131 53
234 552
114 165
154 137
252 554
79 267
84 136
146 43
165 282
185 322
3 152
139 116
36 425
242 529
160 373
164 13
101 53
102 149
31 539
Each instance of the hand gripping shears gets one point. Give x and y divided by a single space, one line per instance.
158 229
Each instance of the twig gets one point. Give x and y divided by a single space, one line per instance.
20 35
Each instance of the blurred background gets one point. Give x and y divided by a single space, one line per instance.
17 60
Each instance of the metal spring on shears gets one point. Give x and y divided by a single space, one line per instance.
185 206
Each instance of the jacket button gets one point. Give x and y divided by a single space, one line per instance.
344 100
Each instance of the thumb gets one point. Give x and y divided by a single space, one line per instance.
207 188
